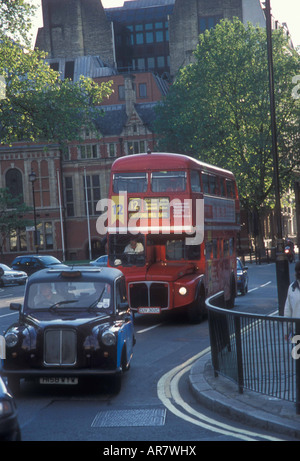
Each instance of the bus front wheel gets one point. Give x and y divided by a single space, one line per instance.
196 310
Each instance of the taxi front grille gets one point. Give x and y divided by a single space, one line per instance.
60 347
148 294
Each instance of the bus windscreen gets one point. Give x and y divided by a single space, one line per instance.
130 182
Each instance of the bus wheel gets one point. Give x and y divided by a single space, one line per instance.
196 309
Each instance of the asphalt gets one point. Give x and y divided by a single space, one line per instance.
222 396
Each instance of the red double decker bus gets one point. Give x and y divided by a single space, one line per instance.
172 230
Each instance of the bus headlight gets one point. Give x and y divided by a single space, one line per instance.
182 291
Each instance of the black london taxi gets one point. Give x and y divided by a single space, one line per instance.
74 323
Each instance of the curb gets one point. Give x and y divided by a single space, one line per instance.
221 395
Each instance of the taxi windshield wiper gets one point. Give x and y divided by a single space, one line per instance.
67 301
94 304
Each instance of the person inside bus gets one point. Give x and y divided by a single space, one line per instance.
134 246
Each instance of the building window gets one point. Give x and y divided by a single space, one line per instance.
160 61
136 147
69 196
54 66
112 149
93 192
121 92
142 90
48 235
151 63
69 70
18 241
208 22
139 39
14 184
149 37
88 151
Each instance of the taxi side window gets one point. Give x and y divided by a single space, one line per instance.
121 296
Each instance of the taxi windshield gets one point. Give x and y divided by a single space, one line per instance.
73 294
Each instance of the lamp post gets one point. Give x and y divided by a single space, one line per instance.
32 179
282 265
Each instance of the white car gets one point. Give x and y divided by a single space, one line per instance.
9 276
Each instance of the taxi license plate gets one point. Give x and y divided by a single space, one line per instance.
56 380
149 310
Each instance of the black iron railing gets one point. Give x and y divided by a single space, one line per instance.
257 352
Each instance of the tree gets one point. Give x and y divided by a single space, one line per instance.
16 17
37 104
218 109
12 212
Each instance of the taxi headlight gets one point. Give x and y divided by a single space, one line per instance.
11 339
108 338
182 291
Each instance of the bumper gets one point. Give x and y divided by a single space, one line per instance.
14 281
54 372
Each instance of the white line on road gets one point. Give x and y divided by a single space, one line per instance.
149 328
6 315
261 286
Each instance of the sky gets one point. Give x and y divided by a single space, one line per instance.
283 10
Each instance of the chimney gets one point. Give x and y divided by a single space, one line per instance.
130 94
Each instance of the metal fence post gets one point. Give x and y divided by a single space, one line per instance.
213 343
239 355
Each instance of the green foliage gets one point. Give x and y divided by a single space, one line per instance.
36 105
218 108
16 17
12 211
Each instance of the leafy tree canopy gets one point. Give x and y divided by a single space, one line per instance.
35 103
218 108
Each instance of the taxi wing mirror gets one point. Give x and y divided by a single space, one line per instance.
15 306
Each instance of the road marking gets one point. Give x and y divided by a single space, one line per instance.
6 315
168 392
150 328
260 286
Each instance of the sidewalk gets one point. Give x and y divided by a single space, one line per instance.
221 396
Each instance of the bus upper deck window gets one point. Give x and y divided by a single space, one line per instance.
205 182
230 188
195 181
130 182
168 181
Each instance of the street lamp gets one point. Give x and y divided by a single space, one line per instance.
282 265
32 179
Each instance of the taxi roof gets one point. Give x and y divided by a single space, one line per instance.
105 274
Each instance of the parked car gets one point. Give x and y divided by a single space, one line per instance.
101 261
242 277
9 276
74 323
34 263
9 426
